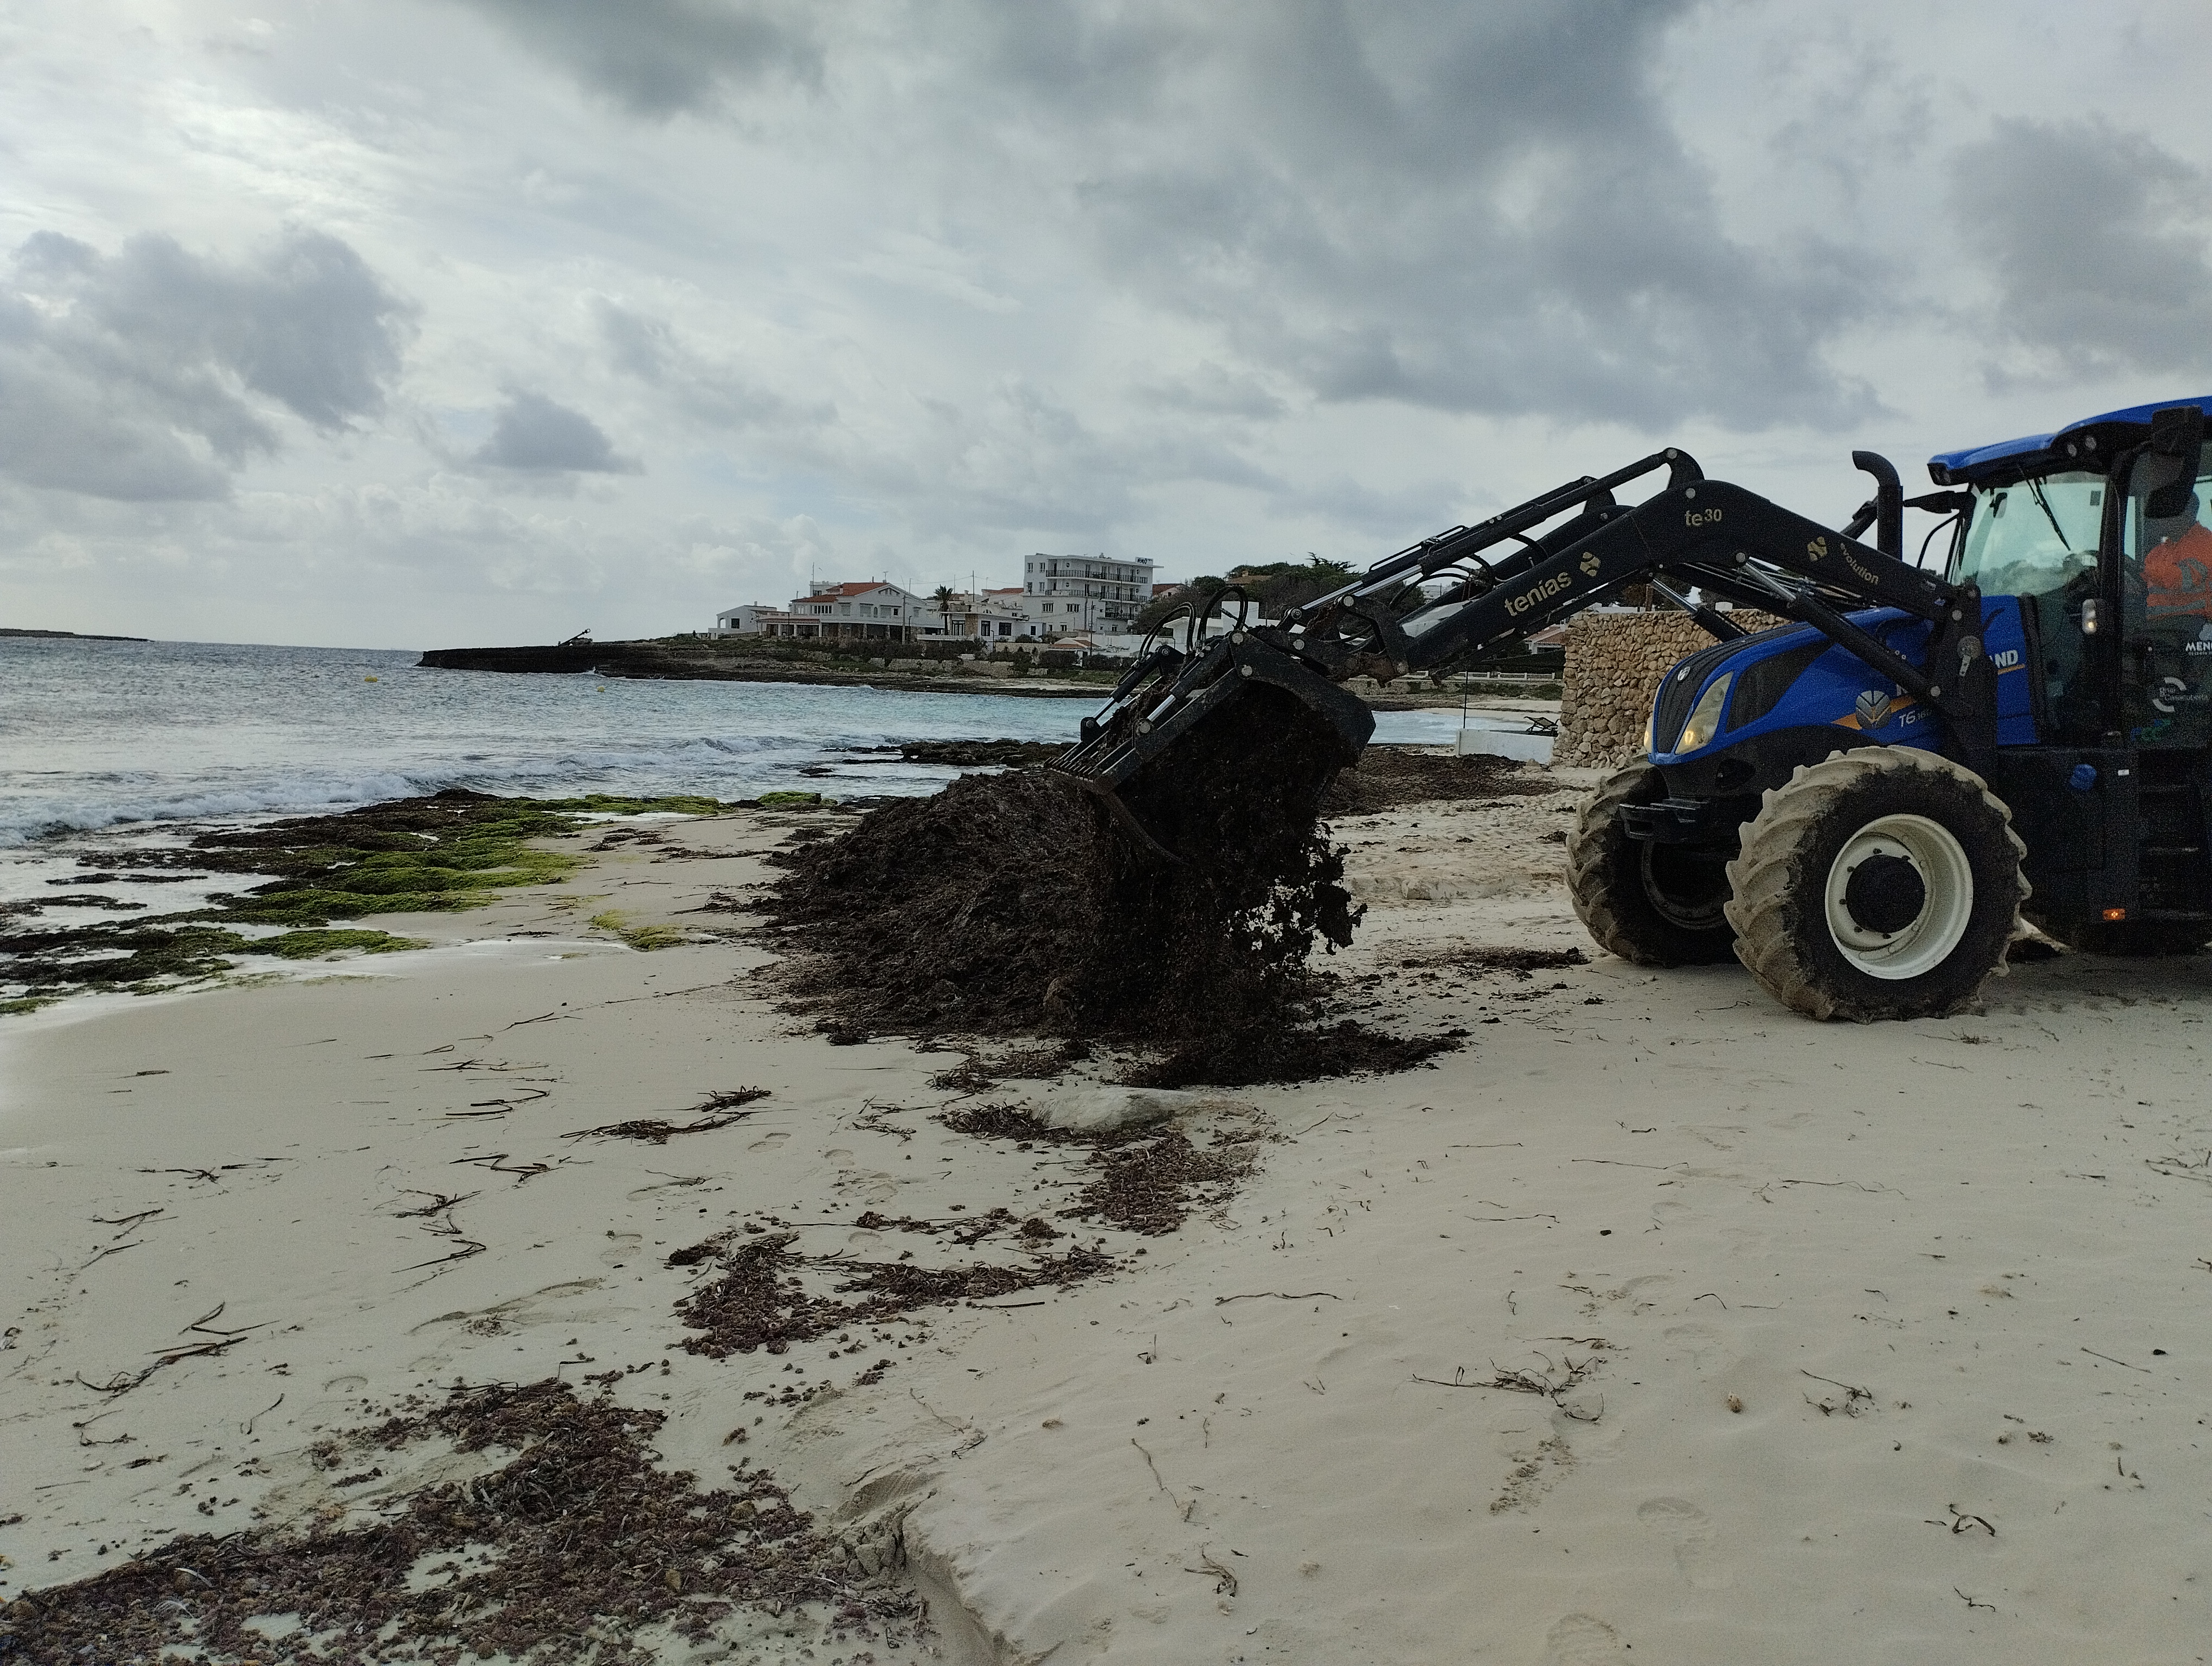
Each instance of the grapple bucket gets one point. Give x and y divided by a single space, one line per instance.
1170 692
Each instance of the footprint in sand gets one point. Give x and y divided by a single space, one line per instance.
622 1250
1686 1528
1582 1639
837 1154
1709 1351
769 1142
1666 1211
866 1240
870 1186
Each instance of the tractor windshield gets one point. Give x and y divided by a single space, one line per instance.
2032 538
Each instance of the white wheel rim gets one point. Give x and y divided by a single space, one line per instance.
1946 878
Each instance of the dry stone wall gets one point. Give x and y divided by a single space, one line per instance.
1614 662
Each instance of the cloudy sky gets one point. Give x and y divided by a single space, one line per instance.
418 322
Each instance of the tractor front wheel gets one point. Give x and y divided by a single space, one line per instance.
1884 883
1654 904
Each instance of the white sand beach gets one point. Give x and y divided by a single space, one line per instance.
1654 1324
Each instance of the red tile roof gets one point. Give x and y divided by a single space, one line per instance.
832 592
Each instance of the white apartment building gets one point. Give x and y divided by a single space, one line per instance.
1062 594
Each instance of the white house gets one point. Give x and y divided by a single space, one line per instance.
1003 615
746 621
867 609
992 616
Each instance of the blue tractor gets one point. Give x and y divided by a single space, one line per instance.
1860 805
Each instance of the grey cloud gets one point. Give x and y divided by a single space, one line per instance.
1862 107
706 391
2096 239
65 428
1081 55
642 346
1021 461
1479 209
133 376
534 434
660 57
1377 520
1209 390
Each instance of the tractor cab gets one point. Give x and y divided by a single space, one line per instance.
2113 576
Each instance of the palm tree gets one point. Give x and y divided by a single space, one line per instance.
944 596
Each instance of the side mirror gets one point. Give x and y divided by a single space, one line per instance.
2177 433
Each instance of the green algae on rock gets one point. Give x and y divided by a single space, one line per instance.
105 956
454 849
449 851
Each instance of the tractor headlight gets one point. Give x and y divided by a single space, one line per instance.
1705 716
1647 734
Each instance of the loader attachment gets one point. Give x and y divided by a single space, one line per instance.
1480 590
1173 690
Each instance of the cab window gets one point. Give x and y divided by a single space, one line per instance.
2166 542
2034 537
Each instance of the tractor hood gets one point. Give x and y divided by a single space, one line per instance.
1737 693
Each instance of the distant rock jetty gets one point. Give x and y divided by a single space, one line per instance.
937 668
71 635
697 658
563 656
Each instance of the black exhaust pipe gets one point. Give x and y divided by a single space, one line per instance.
1888 504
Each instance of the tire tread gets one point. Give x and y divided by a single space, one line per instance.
1763 877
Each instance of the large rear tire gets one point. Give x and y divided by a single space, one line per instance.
1884 883
1657 905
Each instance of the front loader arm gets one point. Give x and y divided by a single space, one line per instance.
1706 533
1694 532
1731 542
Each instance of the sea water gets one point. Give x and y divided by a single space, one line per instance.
138 738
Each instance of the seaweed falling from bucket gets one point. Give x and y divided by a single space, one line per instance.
1014 904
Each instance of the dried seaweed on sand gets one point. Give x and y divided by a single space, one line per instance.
760 1302
579 1548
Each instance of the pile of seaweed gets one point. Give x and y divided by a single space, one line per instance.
1385 778
1388 777
567 1552
1015 905
449 850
